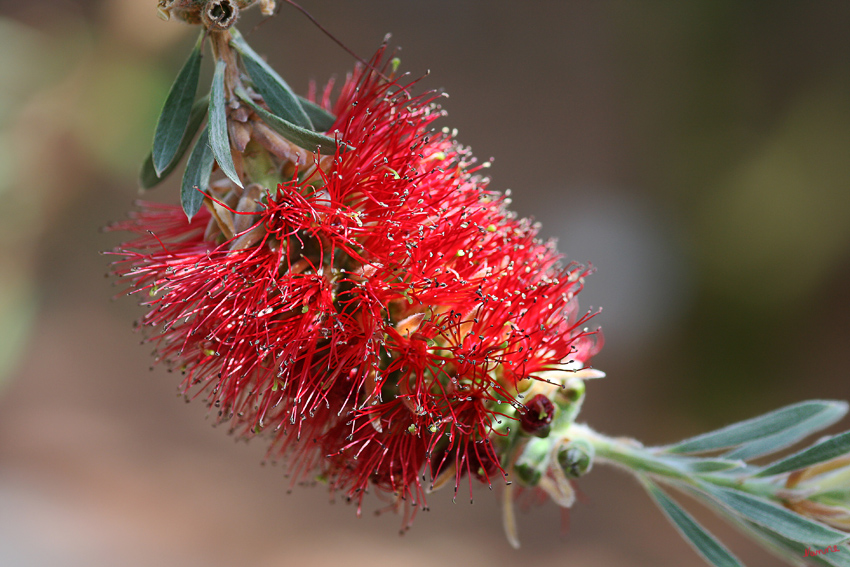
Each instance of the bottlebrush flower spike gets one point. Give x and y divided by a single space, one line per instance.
347 287
377 313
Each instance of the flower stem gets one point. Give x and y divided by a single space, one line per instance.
666 467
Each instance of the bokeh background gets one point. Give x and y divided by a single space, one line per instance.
697 153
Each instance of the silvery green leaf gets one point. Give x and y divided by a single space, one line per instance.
148 177
301 137
196 179
796 551
766 425
321 118
837 558
176 112
703 466
788 437
702 541
268 83
775 518
824 450
219 140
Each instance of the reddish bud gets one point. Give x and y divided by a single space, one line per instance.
537 416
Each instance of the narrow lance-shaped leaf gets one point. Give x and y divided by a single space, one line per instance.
778 545
196 179
148 177
219 140
775 518
268 83
838 556
321 118
301 137
176 112
703 542
766 425
698 465
818 453
790 436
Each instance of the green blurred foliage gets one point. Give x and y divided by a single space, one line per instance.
76 105
741 118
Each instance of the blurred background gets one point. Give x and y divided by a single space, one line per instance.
696 153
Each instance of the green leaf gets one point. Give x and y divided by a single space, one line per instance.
197 175
176 112
321 118
702 466
839 558
825 450
219 140
766 425
770 444
301 137
148 177
835 497
703 542
790 551
268 83
775 518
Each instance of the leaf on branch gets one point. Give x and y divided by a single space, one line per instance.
301 137
775 518
321 118
695 465
196 179
219 140
702 541
839 558
820 452
771 424
148 177
778 545
789 436
176 112
795 552
268 83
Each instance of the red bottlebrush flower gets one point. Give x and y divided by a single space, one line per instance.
376 314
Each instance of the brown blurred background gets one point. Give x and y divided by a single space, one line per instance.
696 153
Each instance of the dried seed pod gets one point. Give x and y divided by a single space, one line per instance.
212 13
220 15
188 11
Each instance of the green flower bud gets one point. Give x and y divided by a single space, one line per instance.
527 474
533 461
576 458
